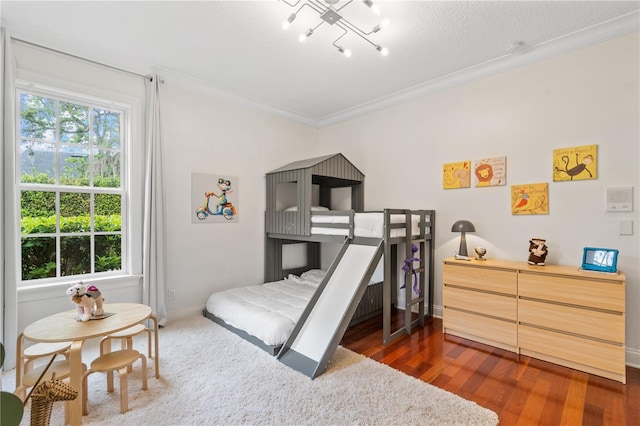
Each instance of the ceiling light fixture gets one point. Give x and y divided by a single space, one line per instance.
332 15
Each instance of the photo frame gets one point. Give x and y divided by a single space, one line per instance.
214 198
530 199
456 175
577 163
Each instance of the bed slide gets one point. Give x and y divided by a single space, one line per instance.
319 331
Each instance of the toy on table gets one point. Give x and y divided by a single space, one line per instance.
538 251
89 300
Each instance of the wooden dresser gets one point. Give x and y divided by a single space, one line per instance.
555 313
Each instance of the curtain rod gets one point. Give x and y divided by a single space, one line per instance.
29 43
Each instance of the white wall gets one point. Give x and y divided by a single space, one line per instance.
205 135
587 97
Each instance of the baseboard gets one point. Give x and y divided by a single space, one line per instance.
185 312
632 357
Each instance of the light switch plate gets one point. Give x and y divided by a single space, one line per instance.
625 227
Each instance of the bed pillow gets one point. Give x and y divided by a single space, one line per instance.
313 209
313 275
296 279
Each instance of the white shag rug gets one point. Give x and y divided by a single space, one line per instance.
210 376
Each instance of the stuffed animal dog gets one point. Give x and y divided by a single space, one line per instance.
89 300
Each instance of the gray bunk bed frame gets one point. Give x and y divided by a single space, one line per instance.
294 227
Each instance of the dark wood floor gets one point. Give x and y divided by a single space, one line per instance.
522 390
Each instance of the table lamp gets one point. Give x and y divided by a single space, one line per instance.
463 226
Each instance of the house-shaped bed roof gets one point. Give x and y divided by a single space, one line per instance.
335 167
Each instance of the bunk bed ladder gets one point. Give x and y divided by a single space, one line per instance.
423 274
319 330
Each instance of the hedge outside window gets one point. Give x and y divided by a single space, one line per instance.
71 192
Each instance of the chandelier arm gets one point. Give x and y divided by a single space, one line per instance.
344 5
353 27
343 34
291 5
316 27
318 4
309 5
359 33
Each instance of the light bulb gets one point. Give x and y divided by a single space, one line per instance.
306 35
288 21
374 7
345 52
385 23
383 50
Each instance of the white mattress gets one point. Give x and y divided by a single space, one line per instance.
365 225
268 311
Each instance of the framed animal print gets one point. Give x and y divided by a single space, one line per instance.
530 199
577 163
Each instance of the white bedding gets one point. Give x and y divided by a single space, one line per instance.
365 225
268 311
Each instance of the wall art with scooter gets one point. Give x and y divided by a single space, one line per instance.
214 198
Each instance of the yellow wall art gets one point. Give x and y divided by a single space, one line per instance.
577 163
531 198
491 171
456 175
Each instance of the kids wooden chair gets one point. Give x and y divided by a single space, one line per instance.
126 341
116 361
34 352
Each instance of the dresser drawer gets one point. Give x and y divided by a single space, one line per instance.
496 280
484 303
601 294
481 326
595 324
604 356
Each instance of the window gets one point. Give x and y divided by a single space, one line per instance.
70 188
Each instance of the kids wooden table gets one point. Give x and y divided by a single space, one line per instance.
64 327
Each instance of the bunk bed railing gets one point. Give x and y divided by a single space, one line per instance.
348 226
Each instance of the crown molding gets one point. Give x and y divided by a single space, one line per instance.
595 34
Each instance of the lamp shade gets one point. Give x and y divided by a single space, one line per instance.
463 226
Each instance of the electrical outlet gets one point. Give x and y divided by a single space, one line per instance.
172 294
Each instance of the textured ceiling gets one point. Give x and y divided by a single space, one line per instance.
238 48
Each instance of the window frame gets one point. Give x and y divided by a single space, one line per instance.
126 123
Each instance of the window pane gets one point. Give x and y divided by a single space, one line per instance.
74 123
107 212
106 169
75 255
74 166
37 117
37 162
108 253
37 212
38 257
106 128
75 212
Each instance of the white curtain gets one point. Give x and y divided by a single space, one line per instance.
8 236
154 249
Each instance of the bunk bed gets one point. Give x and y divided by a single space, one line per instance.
306 218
